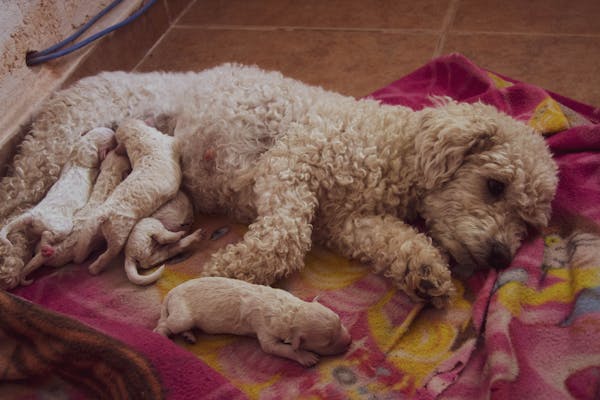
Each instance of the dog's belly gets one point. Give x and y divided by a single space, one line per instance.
219 191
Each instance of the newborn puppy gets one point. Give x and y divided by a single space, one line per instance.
113 170
52 218
154 180
284 325
160 237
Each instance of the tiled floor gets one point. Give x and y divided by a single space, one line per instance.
357 46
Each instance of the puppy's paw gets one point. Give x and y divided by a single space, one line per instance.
94 269
189 337
197 236
26 282
47 250
306 358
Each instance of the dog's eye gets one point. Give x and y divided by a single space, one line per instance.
495 187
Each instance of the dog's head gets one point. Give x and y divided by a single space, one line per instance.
318 329
487 181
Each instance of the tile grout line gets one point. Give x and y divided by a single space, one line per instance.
522 33
270 28
446 25
414 31
160 39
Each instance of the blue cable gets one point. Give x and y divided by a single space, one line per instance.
53 52
78 33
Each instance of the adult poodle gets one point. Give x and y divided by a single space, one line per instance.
300 163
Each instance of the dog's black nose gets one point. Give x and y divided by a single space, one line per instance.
499 256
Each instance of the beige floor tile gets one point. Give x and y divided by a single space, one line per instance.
388 14
353 63
566 65
549 16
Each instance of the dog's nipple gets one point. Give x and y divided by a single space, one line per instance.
210 154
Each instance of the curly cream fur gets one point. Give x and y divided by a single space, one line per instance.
52 219
159 237
301 164
53 215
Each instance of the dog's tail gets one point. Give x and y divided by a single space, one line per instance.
134 276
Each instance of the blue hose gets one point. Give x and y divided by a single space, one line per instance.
53 52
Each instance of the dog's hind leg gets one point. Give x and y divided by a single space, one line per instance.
399 252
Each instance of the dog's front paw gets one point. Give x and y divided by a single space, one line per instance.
423 274
306 358
432 283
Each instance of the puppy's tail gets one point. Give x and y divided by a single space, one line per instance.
18 223
134 276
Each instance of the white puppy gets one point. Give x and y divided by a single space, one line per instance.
52 218
155 179
113 170
284 325
160 237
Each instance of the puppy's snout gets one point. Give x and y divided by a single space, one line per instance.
499 256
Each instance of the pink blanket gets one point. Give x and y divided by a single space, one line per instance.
532 331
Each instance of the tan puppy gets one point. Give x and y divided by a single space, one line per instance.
160 237
154 180
52 218
113 170
284 325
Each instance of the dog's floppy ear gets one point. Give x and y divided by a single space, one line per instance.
446 136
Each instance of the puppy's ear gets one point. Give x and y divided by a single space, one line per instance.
297 338
316 299
447 136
